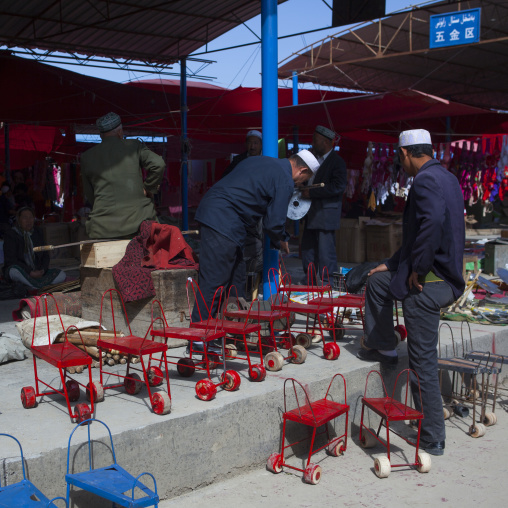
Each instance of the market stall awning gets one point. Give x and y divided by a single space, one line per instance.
152 31
393 54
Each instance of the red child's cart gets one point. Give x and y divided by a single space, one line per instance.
391 410
61 355
315 415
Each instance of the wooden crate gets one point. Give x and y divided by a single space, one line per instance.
350 240
382 240
103 254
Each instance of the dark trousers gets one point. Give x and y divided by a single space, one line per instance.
421 318
220 264
318 247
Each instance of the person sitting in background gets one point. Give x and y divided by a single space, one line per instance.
21 263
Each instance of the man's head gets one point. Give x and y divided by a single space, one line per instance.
254 143
110 125
25 217
303 165
323 140
415 149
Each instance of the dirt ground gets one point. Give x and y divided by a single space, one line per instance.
470 474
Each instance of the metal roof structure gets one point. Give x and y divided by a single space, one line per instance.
154 32
393 54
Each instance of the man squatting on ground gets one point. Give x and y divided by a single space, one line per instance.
425 274
113 182
258 188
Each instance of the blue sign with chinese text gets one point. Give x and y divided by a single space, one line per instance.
454 28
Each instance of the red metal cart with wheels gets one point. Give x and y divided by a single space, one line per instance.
61 355
131 345
392 410
273 359
206 389
315 415
319 315
238 332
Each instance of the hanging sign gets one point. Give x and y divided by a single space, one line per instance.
454 28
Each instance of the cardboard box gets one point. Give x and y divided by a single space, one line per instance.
350 240
103 254
382 239
57 233
496 256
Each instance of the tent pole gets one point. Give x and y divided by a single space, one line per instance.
184 144
269 115
7 154
296 223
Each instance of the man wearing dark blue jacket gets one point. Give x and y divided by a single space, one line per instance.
425 274
323 217
258 188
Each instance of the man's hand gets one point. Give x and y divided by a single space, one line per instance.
148 194
36 274
379 268
284 247
305 193
413 281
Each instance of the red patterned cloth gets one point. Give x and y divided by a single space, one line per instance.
157 247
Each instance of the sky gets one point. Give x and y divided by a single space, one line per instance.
242 66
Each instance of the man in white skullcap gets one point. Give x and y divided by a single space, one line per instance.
323 217
425 274
253 148
259 188
113 182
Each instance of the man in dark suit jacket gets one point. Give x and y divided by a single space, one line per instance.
323 217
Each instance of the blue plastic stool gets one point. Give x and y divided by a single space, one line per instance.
24 493
112 481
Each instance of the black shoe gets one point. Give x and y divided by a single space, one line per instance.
436 448
373 355
461 410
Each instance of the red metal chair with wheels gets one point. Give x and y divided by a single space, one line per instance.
320 312
61 355
132 345
274 358
312 286
186 367
235 329
392 410
315 415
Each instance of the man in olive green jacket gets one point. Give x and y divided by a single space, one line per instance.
113 182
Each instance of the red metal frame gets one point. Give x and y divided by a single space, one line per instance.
60 355
257 372
391 410
318 309
315 415
132 345
205 389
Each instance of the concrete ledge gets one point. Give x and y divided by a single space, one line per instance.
199 442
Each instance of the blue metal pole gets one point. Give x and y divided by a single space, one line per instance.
184 144
269 115
296 223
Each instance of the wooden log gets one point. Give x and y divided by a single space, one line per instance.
122 361
110 361
91 350
71 370
116 358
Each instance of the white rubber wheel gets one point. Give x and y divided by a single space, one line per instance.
304 340
478 430
274 463
161 403
446 413
231 351
425 462
397 338
317 337
312 474
300 354
336 447
368 440
474 393
274 361
382 467
490 419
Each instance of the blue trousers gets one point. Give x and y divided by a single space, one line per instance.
220 264
421 318
318 247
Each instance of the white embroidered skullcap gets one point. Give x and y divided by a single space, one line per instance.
415 137
254 133
309 159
